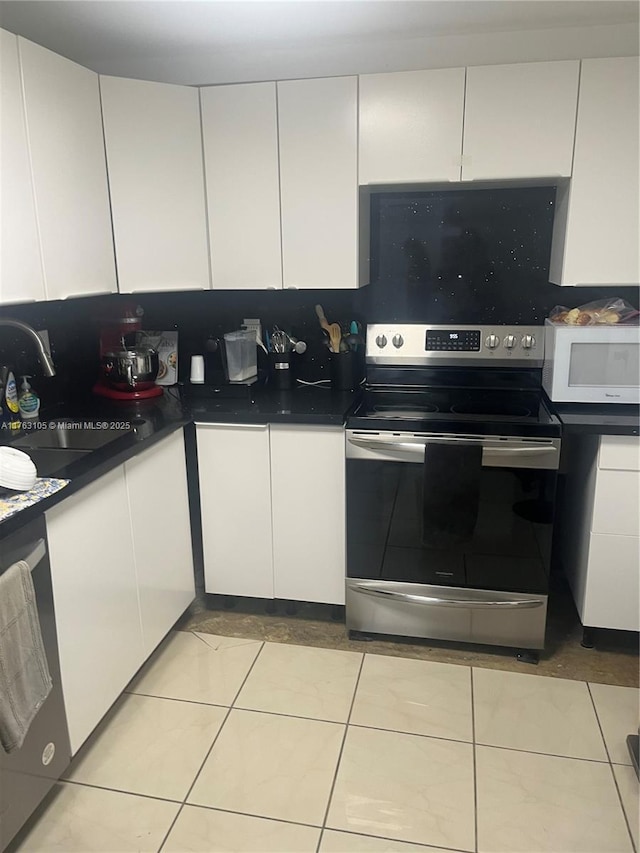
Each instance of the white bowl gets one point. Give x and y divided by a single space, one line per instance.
17 470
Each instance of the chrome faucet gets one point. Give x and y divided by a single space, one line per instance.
43 356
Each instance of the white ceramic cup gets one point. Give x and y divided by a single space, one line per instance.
197 370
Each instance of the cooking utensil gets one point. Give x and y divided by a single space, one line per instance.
322 319
335 335
132 369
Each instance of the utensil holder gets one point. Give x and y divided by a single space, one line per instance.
345 370
280 373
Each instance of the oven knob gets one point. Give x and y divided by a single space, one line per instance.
528 341
492 341
510 341
381 341
397 341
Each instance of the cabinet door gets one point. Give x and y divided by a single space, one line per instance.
154 156
21 277
64 126
319 182
613 583
240 138
519 120
160 521
410 126
597 225
308 495
96 600
235 500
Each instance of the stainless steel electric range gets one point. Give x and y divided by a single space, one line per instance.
452 459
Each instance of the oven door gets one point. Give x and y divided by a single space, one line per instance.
449 536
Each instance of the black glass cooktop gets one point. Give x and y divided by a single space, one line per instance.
508 410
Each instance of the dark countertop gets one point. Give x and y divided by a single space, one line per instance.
306 404
138 426
598 419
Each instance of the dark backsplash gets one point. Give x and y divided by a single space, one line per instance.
459 256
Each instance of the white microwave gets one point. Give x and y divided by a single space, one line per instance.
591 364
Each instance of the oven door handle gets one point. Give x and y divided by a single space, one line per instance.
520 604
418 447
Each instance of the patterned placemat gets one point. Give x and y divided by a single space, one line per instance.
13 502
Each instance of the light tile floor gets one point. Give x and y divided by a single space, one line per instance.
223 745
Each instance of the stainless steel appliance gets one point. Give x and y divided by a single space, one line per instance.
27 774
592 364
452 459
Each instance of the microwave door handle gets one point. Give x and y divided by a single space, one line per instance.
520 604
527 450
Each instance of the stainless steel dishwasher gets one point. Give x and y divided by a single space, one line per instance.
29 773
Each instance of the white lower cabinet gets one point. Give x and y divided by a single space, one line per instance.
235 500
601 530
273 510
308 512
96 599
161 526
122 574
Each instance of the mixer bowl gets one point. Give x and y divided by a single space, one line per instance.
130 370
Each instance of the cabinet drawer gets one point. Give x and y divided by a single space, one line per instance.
621 452
613 587
616 506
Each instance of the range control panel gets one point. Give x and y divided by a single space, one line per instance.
412 343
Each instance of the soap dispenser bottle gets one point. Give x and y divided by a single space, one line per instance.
28 401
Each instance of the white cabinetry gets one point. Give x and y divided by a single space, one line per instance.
273 515
21 278
235 498
96 599
597 226
519 120
410 126
122 575
319 182
154 155
64 127
601 530
160 521
308 512
240 139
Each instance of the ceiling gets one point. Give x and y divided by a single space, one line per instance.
206 41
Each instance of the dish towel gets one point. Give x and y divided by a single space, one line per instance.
25 680
451 494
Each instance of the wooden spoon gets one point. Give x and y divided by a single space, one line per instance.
335 335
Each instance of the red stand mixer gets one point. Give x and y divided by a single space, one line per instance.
127 372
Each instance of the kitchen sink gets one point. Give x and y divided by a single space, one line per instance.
69 436
50 463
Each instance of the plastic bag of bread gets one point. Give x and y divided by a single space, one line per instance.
603 312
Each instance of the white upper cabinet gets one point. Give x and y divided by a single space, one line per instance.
519 120
64 127
597 227
21 278
154 156
240 138
319 182
411 126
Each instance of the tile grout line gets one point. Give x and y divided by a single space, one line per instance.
213 743
344 738
475 769
615 781
117 791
